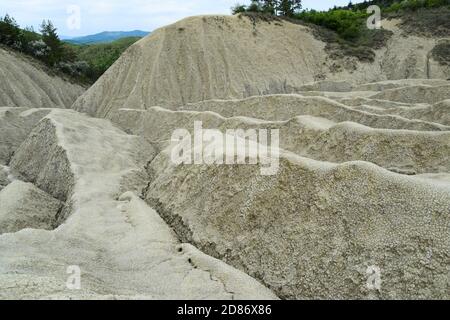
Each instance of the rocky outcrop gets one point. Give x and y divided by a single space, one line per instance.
15 125
4 176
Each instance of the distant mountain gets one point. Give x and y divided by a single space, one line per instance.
106 37
64 38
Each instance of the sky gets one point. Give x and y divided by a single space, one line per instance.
84 17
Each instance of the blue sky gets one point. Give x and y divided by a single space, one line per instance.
114 15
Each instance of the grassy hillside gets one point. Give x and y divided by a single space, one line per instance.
100 57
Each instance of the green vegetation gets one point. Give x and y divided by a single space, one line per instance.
423 16
348 24
285 8
425 22
83 64
56 52
397 5
100 57
414 5
45 46
344 29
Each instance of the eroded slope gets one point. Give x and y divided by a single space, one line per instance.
24 83
122 246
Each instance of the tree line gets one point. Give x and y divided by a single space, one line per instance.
84 64
293 8
47 47
286 8
349 22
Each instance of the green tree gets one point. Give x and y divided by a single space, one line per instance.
238 8
288 8
51 39
269 6
255 6
9 31
276 7
27 36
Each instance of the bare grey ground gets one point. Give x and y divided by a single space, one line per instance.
25 84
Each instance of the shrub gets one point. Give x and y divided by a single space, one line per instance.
414 5
254 7
38 48
239 8
286 8
74 69
348 24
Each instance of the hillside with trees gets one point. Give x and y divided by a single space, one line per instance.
344 29
99 57
83 64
